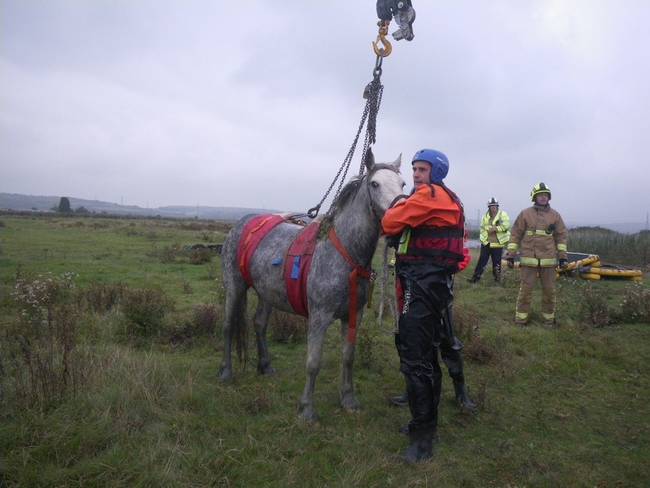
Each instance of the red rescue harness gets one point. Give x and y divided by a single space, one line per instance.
297 264
357 271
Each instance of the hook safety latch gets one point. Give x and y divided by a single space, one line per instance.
381 38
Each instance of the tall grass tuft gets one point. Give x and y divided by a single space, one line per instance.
103 297
632 249
145 310
635 306
594 308
287 328
42 361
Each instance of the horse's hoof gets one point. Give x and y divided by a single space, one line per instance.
266 370
350 403
225 375
307 414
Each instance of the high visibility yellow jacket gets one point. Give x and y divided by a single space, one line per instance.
495 232
540 235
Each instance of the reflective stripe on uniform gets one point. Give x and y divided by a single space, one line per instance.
521 315
548 316
404 241
539 233
513 246
544 262
562 247
529 261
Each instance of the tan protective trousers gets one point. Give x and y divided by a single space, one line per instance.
529 276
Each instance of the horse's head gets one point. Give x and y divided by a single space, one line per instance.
384 182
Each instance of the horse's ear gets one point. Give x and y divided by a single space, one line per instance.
398 162
369 159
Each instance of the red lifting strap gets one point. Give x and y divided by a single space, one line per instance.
357 271
253 233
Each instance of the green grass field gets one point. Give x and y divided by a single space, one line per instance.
566 406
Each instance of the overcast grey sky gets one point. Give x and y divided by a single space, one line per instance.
255 103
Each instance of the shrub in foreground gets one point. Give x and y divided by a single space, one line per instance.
41 360
145 310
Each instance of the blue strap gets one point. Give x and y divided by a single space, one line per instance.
295 271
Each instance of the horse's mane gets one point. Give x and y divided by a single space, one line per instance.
348 192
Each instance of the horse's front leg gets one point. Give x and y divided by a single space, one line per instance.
261 322
348 399
317 328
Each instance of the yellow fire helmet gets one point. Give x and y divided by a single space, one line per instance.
540 188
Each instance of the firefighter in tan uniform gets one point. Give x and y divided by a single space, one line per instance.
540 237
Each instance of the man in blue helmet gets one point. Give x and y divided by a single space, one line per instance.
430 224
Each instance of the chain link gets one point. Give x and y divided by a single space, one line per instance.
373 95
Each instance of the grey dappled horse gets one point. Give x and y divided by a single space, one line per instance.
355 216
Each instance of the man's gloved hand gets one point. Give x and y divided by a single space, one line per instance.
563 263
511 261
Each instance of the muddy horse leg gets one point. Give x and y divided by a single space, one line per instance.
348 399
261 322
315 341
234 317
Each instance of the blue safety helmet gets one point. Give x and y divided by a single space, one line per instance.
438 161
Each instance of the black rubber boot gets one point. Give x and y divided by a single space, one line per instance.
474 279
496 272
462 397
420 449
400 400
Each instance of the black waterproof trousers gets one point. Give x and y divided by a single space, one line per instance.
423 325
487 253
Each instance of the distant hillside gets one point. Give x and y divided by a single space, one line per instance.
16 201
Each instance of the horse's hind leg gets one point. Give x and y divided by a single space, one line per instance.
235 315
348 399
314 352
261 322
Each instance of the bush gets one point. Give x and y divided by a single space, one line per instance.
287 328
202 322
635 306
467 325
593 308
167 254
200 256
610 245
467 328
366 342
145 310
103 297
42 363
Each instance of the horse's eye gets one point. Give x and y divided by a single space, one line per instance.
374 184
403 185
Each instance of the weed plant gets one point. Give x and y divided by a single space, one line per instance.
39 349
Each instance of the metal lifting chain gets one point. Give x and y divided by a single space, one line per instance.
373 95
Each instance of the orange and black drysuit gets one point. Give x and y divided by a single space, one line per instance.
430 224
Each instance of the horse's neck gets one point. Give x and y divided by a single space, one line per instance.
358 228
